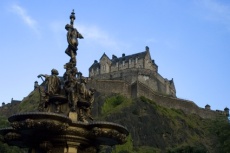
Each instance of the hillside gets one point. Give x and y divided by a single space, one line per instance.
152 128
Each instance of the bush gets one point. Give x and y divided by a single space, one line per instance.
113 102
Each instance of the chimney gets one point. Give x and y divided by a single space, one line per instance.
113 56
123 55
147 48
95 61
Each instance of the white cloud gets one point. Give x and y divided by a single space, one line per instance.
28 20
99 36
93 35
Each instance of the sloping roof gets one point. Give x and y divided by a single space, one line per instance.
104 55
94 65
128 57
120 59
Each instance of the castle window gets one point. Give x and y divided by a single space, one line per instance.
97 69
117 64
130 61
123 63
136 60
103 67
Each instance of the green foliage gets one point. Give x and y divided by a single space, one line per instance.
4 148
114 103
125 148
128 148
3 122
189 149
146 149
30 103
221 127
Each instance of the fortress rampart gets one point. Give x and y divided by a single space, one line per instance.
137 89
153 80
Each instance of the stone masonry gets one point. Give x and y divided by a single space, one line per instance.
131 68
137 75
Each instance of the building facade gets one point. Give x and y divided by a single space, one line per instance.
132 68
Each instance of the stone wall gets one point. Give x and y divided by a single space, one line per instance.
110 86
151 79
138 89
187 106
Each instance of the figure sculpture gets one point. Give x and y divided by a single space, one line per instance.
52 87
85 100
70 83
72 39
73 98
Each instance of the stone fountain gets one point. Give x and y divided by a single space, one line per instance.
63 122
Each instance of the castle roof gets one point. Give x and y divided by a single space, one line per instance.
127 58
114 59
94 65
104 55
123 58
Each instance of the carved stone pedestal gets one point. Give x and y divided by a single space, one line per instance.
44 132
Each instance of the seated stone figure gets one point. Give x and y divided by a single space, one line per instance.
52 87
70 82
85 100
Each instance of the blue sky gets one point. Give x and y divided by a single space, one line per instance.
189 41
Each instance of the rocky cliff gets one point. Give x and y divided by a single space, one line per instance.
153 128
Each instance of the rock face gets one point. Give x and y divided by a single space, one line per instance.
151 126
159 128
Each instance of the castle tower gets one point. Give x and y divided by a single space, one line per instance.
35 84
226 110
207 107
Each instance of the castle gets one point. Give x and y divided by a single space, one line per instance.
137 75
132 68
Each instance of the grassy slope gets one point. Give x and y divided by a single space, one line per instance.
190 132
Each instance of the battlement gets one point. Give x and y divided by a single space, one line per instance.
137 75
138 89
131 68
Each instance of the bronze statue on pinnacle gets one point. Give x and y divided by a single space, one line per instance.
63 122
72 98
72 39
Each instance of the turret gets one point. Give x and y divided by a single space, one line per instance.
35 85
207 107
3 104
226 110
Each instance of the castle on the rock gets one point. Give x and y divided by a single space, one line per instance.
137 75
132 68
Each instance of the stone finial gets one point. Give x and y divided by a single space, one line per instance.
72 17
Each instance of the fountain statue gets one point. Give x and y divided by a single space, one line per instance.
63 122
